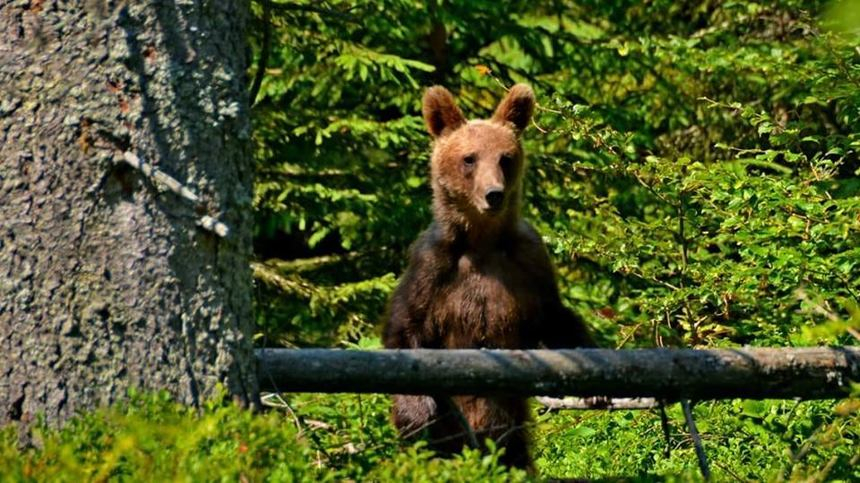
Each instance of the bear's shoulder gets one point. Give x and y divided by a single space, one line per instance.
524 240
430 242
526 233
431 251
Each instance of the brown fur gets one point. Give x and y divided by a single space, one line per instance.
477 277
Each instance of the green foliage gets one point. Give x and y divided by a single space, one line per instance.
315 437
693 164
693 167
744 440
153 439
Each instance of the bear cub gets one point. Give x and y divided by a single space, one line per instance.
479 276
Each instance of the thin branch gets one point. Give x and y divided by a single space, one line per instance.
652 190
161 178
730 472
299 265
413 432
649 279
328 12
274 400
697 440
211 224
264 53
291 284
461 418
554 403
628 336
664 425
682 215
481 431
682 235
300 421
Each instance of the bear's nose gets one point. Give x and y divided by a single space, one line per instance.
495 197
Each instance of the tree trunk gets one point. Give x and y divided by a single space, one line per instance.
672 374
114 276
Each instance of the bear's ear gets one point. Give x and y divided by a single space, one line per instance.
441 112
517 107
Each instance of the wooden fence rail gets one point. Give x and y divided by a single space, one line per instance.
672 374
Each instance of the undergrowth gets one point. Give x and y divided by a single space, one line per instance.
323 437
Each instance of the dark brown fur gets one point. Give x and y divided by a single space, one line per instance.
477 277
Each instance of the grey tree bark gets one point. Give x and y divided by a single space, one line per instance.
108 278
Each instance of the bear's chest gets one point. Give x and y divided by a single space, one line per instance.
487 302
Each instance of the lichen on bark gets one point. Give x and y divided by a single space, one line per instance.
106 280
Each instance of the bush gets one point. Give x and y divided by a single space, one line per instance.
348 437
153 439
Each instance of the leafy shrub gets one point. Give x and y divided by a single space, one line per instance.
338 437
153 439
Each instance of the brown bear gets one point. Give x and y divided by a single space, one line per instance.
479 276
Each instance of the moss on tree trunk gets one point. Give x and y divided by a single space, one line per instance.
107 281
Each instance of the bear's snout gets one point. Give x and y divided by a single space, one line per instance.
495 198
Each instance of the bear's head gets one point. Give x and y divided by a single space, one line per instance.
477 165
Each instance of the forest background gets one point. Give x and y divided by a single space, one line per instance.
692 166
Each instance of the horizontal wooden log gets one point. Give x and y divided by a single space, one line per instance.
750 373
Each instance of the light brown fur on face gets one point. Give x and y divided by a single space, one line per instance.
479 276
476 160
459 189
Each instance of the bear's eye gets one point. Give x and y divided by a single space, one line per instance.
469 160
505 162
